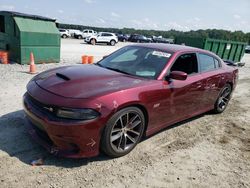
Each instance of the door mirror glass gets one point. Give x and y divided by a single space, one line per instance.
178 75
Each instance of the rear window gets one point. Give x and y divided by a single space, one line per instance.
207 63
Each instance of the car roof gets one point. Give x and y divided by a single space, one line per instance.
172 48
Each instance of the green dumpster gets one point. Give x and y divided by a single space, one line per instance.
21 34
229 50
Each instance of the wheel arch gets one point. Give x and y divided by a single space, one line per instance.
137 105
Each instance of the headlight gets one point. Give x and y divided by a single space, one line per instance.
77 114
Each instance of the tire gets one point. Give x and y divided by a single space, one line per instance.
79 37
124 40
93 41
64 36
112 42
223 99
123 132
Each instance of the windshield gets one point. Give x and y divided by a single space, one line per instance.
137 61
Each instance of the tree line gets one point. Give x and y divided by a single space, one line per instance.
208 33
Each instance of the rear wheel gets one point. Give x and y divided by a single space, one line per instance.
223 99
64 36
79 37
112 42
123 132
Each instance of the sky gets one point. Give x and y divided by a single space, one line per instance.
182 15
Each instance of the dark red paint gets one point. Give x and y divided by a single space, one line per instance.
163 102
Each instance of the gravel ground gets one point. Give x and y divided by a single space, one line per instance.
205 151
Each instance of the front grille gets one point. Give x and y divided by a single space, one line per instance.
40 106
45 110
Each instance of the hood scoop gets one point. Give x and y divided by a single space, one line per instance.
62 76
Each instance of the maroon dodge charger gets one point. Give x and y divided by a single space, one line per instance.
78 111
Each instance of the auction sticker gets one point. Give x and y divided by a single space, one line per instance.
161 54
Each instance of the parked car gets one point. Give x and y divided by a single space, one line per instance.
122 37
84 34
78 34
80 110
102 37
139 39
88 32
163 40
247 49
64 33
73 31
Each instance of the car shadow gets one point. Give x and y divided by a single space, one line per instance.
16 142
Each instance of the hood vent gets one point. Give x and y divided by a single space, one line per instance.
62 76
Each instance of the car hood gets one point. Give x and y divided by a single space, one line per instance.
85 81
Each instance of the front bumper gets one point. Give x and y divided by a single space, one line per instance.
71 139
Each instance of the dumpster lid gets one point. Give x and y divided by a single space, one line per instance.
18 14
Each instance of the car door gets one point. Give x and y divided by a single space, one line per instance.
212 76
178 99
100 37
187 95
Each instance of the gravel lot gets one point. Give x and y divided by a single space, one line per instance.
206 151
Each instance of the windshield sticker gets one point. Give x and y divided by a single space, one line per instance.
161 54
145 73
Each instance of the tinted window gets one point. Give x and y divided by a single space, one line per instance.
106 35
206 62
186 63
2 24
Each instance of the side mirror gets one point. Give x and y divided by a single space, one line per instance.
178 75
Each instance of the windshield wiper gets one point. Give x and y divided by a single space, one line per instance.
117 70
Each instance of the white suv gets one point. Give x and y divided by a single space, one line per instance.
88 33
84 34
102 37
64 33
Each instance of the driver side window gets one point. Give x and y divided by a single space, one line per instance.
186 63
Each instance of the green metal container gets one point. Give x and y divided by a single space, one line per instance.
21 34
229 50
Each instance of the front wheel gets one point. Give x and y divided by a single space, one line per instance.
223 99
123 132
93 41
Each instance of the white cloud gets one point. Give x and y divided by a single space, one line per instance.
7 7
114 14
89 1
176 26
100 20
197 19
236 16
60 11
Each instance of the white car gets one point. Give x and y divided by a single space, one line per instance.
88 33
102 37
64 33
84 34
